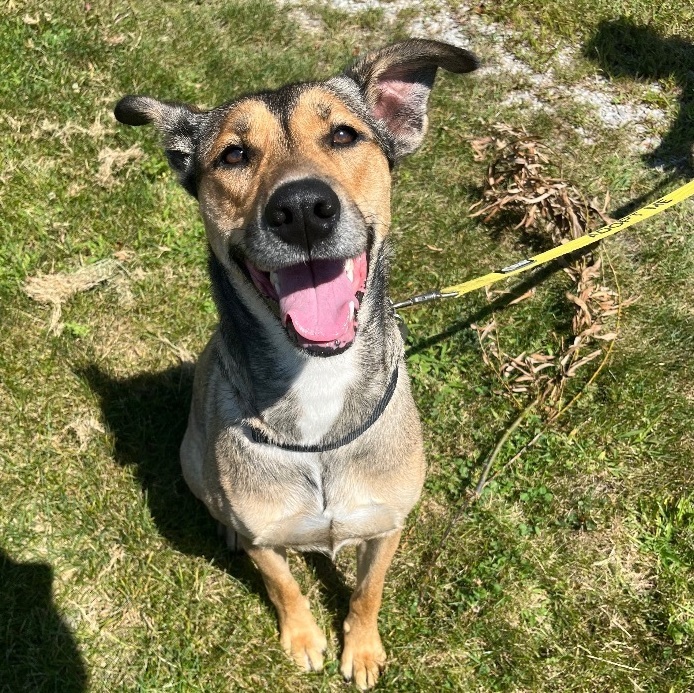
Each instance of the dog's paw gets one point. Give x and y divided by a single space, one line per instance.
363 657
304 642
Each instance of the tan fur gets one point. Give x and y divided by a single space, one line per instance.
300 636
228 199
363 656
287 445
361 171
394 483
389 486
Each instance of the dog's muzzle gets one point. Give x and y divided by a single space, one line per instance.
319 291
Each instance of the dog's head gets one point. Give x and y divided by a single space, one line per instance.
294 184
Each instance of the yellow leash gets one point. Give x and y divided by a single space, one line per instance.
639 215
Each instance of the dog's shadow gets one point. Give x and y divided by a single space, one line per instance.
623 48
147 416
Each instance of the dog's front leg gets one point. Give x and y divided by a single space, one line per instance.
363 656
300 635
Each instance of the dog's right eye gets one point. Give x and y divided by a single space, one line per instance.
344 135
233 156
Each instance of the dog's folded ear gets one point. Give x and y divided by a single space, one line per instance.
395 82
180 125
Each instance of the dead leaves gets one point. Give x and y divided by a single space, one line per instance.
518 183
541 374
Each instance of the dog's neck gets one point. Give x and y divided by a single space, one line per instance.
293 396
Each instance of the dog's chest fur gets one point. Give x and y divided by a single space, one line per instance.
316 501
309 501
320 391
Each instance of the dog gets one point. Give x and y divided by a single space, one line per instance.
303 433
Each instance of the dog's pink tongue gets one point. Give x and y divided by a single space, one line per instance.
316 297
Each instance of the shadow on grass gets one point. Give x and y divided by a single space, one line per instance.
623 48
147 414
335 592
37 649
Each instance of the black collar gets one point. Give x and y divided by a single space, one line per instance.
260 437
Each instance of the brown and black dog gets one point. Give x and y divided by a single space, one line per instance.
303 433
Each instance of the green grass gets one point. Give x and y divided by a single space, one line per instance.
573 571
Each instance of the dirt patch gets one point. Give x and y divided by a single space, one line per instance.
112 160
85 429
639 123
56 289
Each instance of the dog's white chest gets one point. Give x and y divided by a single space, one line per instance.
320 389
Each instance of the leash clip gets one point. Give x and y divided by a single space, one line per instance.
422 298
413 301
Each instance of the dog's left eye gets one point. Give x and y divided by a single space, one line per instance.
233 156
343 135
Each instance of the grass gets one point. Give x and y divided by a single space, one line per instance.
574 569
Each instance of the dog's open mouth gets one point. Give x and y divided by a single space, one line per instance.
318 300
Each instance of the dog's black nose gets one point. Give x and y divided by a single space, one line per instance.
303 212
